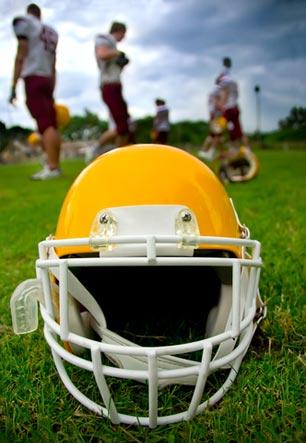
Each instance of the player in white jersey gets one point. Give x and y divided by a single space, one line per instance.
35 63
228 104
110 62
229 91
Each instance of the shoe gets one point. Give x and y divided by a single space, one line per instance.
46 174
206 155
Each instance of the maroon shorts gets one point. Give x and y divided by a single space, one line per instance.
40 102
112 97
234 127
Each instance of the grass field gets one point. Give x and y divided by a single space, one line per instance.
267 402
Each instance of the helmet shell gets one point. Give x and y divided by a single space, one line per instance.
146 174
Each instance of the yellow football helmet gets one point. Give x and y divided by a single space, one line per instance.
62 115
218 125
149 286
242 166
34 139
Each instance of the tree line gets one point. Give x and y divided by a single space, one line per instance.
184 133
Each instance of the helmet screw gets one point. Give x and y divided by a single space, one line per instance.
104 218
186 216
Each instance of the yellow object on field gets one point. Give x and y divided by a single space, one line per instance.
62 115
34 139
218 125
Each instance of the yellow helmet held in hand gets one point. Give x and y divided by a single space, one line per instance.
218 125
34 139
62 115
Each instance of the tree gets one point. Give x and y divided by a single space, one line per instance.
12 133
295 120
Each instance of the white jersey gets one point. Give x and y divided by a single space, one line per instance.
230 84
110 71
161 120
42 41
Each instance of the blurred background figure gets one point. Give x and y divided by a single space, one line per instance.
111 62
228 105
35 62
215 132
161 125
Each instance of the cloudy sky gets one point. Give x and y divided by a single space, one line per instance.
175 49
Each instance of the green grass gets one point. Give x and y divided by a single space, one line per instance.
267 401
